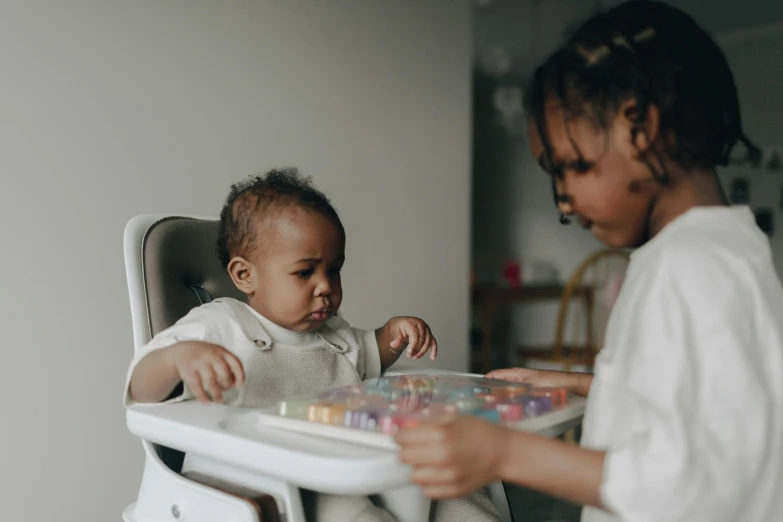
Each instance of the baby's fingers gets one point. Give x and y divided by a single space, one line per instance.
193 381
210 383
413 339
426 344
224 375
397 342
235 366
434 348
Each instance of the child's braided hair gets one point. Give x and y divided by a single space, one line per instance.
656 55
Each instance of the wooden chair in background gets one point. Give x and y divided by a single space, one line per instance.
585 305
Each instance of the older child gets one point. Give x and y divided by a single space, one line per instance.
283 245
684 421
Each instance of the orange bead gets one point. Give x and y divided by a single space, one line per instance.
558 396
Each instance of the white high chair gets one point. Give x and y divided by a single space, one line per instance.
171 267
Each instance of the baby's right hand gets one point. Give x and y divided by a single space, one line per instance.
207 369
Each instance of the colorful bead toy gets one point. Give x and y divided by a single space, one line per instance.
389 403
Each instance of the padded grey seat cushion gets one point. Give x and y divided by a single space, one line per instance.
182 270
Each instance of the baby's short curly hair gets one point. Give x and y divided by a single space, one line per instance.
257 197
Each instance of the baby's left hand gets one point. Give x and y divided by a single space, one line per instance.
413 331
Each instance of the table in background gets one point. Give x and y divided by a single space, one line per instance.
487 298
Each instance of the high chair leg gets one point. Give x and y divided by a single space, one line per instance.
165 496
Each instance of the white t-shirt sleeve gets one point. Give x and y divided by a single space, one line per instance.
700 401
370 352
200 324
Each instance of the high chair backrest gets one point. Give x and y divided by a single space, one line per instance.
171 265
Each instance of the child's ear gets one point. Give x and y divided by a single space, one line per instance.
643 132
243 274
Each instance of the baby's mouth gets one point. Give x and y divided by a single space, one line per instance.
321 314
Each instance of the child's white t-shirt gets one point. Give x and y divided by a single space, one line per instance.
687 397
228 323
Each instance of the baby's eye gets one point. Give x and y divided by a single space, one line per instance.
335 271
304 274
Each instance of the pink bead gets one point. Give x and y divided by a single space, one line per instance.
390 423
510 412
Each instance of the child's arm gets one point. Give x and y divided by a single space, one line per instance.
455 457
404 333
207 370
553 467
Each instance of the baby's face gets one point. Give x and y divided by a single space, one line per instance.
298 267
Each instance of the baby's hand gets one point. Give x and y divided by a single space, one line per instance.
207 369
415 333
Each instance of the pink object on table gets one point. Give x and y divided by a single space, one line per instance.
390 423
512 273
511 412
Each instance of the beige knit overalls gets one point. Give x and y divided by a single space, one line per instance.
277 371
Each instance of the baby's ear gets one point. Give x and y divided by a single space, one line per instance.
243 275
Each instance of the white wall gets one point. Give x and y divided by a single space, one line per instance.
111 109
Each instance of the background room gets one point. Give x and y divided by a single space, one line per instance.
405 113
517 238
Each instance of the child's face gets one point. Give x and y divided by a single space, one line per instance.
293 277
609 198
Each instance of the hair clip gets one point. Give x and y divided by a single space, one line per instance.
620 41
644 34
592 56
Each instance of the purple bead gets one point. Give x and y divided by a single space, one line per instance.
535 406
362 419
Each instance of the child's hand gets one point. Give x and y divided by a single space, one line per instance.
415 333
575 382
454 456
534 377
207 369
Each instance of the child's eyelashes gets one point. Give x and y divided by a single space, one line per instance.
579 166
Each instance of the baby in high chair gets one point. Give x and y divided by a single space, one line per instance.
283 245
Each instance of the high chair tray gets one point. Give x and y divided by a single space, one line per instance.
309 456
229 436
370 413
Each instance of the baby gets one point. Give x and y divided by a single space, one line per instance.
283 245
